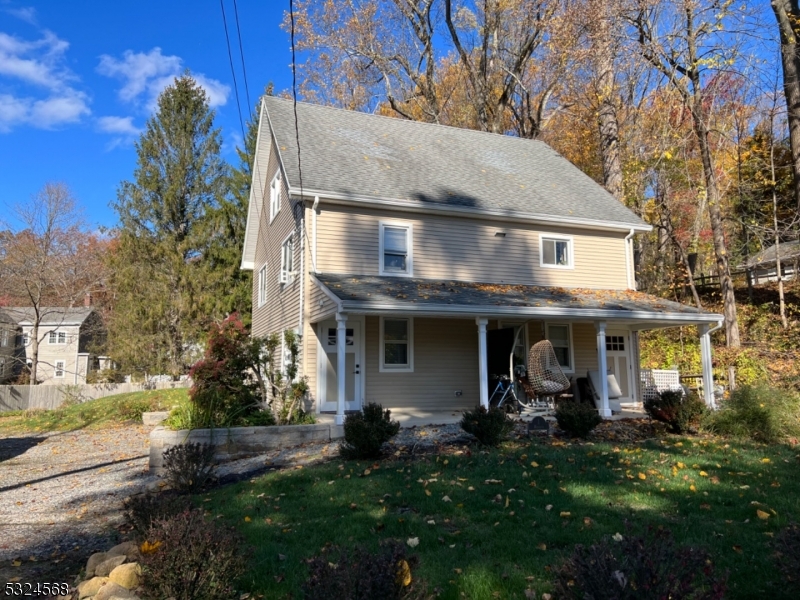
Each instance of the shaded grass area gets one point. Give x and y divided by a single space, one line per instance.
494 523
93 414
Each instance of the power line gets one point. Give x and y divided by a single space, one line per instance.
294 100
241 53
233 72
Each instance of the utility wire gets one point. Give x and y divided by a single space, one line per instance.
294 100
233 71
241 53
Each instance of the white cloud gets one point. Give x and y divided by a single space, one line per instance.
26 69
145 75
27 14
118 125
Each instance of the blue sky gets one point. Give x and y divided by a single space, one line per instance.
78 80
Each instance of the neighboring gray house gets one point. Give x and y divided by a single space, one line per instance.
8 346
66 339
762 265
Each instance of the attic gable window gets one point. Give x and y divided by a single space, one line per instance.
395 249
287 261
274 196
555 251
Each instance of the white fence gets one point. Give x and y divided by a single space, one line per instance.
22 397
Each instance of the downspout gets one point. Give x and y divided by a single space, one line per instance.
628 266
302 269
314 208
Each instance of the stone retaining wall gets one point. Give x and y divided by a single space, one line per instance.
238 442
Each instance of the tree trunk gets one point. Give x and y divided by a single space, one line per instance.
34 352
787 13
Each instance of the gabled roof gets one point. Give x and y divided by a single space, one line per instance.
360 156
365 294
25 315
789 250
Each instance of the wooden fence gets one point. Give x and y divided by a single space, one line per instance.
23 397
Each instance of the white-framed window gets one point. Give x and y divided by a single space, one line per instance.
4 337
59 370
57 337
274 196
262 286
396 243
555 251
287 260
397 345
26 338
560 336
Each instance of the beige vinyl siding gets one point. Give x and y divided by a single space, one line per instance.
467 249
445 360
282 308
318 312
309 364
50 353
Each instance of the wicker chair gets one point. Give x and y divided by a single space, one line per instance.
545 378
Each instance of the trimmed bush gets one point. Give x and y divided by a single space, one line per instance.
787 555
144 510
759 413
361 574
490 426
188 467
187 557
577 418
680 412
366 431
631 568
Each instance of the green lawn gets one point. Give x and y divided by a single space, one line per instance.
513 514
103 412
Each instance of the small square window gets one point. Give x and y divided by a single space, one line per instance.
287 260
397 345
262 286
556 252
59 370
274 196
395 249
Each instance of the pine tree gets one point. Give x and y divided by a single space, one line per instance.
159 277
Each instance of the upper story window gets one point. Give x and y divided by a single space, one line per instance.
274 196
4 335
560 335
287 260
262 286
57 337
395 249
26 338
556 251
397 345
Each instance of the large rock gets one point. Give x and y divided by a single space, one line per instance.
112 590
127 549
109 564
90 587
94 560
127 575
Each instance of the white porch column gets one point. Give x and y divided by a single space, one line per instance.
708 371
341 376
483 375
605 410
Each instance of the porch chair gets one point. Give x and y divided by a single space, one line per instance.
614 391
545 378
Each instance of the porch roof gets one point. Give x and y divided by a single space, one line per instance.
365 294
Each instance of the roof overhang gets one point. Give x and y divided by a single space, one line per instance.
256 201
406 205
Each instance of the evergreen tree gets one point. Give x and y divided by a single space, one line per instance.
159 277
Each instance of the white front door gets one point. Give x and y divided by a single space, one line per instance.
618 355
328 387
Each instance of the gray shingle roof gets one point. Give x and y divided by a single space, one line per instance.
789 250
360 155
361 291
50 315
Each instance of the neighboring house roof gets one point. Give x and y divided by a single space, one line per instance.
362 156
789 250
371 294
25 315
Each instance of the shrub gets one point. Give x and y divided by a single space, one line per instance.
188 558
787 555
105 376
366 431
680 412
131 409
359 575
577 418
759 413
188 467
490 426
635 567
144 510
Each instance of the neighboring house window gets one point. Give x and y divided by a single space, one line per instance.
2 366
560 335
4 337
59 372
287 260
395 249
556 251
26 339
57 337
397 345
274 196
262 286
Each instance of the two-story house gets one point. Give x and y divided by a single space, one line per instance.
415 259
66 336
